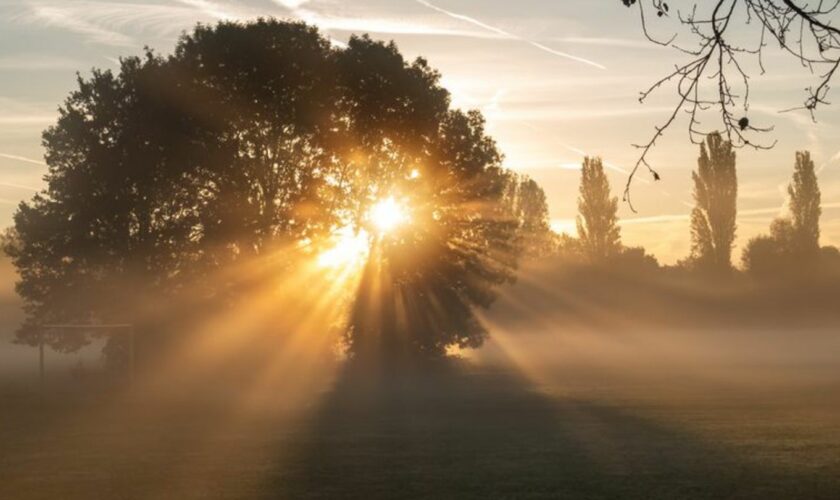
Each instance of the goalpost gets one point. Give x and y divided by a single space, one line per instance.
128 328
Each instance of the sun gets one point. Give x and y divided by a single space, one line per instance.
387 215
351 247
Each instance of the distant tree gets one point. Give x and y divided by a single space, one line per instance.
764 256
249 140
637 259
713 217
529 206
830 261
805 208
597 222
792 248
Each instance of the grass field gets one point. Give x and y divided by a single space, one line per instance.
460 430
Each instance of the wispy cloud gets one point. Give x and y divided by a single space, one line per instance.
373 22
19 186
775 211
292 4
507 34
71 20
118 24
211 9
22 114
609 42
22 158
609 165
38 62
27 119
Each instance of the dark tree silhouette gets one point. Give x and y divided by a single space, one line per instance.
722 39
419 287
805 208
715 196
248 140
597 222
792 248
528 203
116 217
770 256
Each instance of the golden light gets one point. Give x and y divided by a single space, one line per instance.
388 214
351 247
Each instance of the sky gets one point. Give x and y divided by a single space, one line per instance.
556 80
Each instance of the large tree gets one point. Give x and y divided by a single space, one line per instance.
597 222
250 140
715 196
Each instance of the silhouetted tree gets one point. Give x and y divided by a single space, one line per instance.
764 256
713 217
805 208
792 248
419 287
249 139
117 218
597 222
528 203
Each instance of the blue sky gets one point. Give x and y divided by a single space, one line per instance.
555 79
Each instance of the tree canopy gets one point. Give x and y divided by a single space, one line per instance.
600 236
713 219
804 193
793 247
253 140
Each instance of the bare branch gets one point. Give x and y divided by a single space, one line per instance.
717 78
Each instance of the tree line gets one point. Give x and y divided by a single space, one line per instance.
790 250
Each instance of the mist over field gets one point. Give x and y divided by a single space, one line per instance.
13 359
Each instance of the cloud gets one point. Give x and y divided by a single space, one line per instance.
38 62
508 35
609 42
26 119
368 23
22 158
21 113
292 4
654 219
109 23
19 186
71 20
210 9
609 165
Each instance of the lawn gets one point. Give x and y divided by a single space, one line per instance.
455 430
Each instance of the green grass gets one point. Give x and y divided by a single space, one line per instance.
452 432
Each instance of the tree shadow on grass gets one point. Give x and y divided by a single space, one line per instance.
459 432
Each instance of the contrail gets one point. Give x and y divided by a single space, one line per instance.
509 35
22 158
